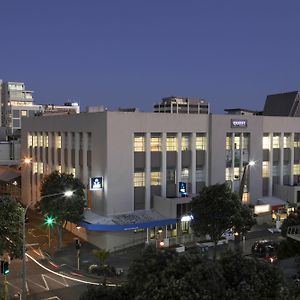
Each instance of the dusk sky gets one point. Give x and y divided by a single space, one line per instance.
127 53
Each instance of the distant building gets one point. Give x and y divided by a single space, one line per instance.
182 105
284 104
241 111
54 109
16 102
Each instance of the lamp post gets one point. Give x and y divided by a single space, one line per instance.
24 290
244 176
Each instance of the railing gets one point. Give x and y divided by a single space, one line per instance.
293 232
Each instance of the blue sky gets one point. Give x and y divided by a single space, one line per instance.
131 53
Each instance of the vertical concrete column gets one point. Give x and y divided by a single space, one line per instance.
292 159
242 155
50 146
77 148
232 160
148 171
179 162
84 158
270 185
281 161
62 153
55 136
38 160
33 174
206 166
193 165
163 164
43 136
69 150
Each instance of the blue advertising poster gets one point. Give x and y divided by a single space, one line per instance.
183 189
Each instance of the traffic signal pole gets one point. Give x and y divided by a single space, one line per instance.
5 289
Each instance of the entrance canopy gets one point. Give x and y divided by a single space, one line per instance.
140 219
272 201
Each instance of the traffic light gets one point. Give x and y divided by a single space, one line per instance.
161 244
77 244
49 220
4 267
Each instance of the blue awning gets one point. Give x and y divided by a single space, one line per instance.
117 227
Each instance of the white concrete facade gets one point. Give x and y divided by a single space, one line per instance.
142 155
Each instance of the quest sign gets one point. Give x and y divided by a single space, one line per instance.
237 123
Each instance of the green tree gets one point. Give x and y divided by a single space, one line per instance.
106 293
54 203
102 255
11 221
243 221
214 210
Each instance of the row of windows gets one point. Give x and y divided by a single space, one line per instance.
43 140
287 141
41 168
171 143
238 141
155 177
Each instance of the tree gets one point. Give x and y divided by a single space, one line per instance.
214 210
243 221
54 203
11 221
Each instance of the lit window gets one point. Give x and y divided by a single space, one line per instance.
228 142
287 141
246 198
200 142
171 143
59 169
29 140
185 142
34 140
297 140
139 179
265 169
40 140
185 175
296 169
236 173
155 143
237 142
276 141
73 171
228 175
139 143
34 167
24 113
46 140
266 142
245 141
155 178
58 141
41 168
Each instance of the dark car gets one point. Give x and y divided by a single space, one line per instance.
266 250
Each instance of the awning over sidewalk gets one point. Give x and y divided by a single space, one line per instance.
272 201
136 220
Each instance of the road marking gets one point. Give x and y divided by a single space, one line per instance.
51 298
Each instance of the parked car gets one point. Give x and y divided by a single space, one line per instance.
266 250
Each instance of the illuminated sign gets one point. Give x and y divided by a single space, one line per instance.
96 183
238 123
263 208
183 189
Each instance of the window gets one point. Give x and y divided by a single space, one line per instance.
275 171
58 141
24 113
265 169
276 141
73 171
16 114
266 142
155 143
41 167
237 142
155 178
185 142
139 179
228 175
199 175
34 140
228 142
287 141
185 175
296 169
245 141
236 173
139 143
29 140
171 176
171 143
40 140
286 169
59 169
34 167
200 142
297 140
46 140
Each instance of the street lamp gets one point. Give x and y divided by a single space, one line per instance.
244 176
49 221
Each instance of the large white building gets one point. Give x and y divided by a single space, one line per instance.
140 160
